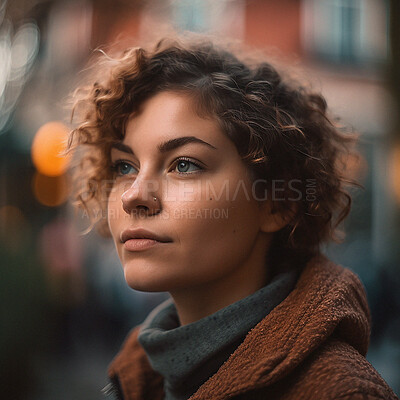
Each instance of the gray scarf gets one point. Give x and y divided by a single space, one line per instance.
186 356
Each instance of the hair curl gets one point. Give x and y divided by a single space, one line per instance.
281 130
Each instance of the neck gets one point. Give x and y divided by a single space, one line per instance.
205 299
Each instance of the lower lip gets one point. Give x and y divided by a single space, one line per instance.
140 244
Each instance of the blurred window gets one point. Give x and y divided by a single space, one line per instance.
346 31
191 15
223 17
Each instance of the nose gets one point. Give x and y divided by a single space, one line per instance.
139 200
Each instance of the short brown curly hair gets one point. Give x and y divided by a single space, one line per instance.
280 128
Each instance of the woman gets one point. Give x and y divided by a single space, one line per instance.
219 181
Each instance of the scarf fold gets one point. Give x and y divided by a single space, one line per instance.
186 356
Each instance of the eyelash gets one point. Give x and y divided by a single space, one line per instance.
116 164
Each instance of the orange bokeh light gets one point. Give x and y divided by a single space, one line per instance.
48 144
50 191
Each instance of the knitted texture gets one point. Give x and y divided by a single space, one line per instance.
309 347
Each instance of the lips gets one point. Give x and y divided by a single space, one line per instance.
140 233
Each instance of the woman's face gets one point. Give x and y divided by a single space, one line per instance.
205 214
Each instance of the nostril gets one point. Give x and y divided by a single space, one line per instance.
139 203
140 211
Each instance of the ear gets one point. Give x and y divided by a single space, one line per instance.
273 221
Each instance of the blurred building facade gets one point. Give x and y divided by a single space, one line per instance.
342 47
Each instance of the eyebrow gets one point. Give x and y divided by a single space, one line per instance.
166 146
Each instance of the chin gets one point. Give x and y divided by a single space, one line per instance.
146 282
148 285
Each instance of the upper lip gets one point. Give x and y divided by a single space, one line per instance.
140 233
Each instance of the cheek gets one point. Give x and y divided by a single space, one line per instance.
239 224
225 220
114 211
212 247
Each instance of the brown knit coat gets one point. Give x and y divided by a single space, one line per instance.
311 347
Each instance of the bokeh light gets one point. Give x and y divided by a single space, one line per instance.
25 46
19 48
47 147
50 191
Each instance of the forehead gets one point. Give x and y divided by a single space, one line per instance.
168 115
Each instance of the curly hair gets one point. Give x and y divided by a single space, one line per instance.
281 130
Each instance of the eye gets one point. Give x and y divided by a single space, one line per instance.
123 168
186 166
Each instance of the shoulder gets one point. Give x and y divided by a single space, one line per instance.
338 371
335 371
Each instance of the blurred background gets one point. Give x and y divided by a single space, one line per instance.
65 307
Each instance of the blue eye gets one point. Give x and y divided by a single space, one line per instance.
184 166
123 168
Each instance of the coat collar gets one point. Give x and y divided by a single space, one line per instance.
328 299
